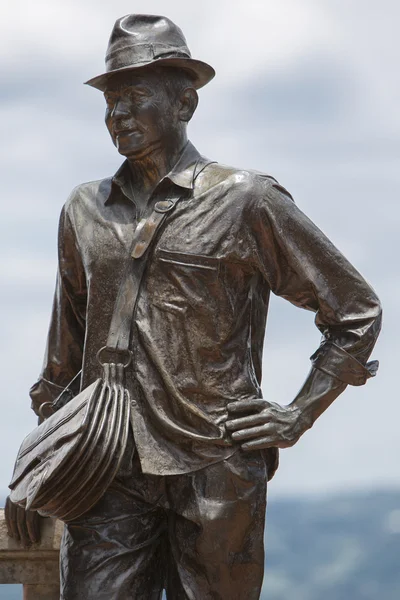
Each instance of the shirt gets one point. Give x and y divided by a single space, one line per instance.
199 324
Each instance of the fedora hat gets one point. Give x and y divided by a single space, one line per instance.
139 41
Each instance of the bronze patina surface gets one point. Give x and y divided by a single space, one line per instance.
186 509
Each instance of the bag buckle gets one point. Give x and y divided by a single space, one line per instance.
49 406
105 349
164 206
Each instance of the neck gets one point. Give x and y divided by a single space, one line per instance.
151 166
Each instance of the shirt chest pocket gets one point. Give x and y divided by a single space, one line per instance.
185 281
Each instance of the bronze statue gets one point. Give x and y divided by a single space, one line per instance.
186 510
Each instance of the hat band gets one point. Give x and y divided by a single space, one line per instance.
143 53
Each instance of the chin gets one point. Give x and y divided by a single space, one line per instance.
130 144
131 150
127 150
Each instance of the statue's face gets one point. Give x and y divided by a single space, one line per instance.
139 114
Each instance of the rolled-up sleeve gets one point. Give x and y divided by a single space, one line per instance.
65 341
301 264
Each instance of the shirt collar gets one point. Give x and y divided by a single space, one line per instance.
182 174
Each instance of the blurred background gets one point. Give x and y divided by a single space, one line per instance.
306 91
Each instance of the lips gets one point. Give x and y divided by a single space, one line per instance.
122 132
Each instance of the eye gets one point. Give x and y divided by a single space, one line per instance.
137 94
110 100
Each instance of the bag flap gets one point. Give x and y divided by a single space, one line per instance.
67 422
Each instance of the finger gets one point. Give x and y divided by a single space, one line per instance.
260 444
244 422
7 517
253 432
22 528
247 405
33 525
10 514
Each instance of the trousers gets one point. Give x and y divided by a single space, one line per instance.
198 536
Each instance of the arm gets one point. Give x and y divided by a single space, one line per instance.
65 341
303 266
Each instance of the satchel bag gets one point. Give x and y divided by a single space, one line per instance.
65 465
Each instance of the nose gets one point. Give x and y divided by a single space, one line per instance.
120 109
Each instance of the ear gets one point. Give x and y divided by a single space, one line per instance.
189 100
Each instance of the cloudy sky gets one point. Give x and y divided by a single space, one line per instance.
307 91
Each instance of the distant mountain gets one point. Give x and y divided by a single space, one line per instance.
340 548
343 547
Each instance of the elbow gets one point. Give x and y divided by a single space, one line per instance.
372 323
376 311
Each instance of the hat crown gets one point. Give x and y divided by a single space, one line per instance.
140 38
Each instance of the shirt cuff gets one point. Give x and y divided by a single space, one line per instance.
43 391
335 361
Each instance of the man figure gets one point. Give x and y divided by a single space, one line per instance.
186 510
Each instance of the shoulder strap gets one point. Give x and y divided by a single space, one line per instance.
121 322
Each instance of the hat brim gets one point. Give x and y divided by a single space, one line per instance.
202 72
